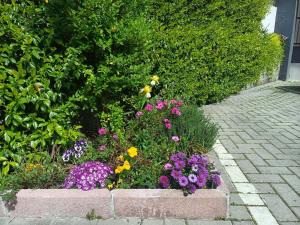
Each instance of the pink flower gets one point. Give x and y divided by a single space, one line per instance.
179 103
102 131
166 120
101 148
138 114
160 105
175 111
168 166
168 126
173 101
165 103
175 138
149 107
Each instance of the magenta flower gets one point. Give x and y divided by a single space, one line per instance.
201 180
160 105
138 114
180 164
168 166
192 188
173 101
192 178
102 131
179 103
164 181
183 181
101 148
176 174
175 138
149 107
167 124
175 111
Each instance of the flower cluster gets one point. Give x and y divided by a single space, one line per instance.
77 150
148 89
88 175
189 174
132 152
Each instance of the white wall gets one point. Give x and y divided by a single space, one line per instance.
268 22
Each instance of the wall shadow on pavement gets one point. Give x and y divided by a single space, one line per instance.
293 89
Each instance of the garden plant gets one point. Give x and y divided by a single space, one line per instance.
105 93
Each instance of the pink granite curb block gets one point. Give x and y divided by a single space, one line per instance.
162 203
142 203
62 203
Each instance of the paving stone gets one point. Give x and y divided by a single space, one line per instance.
84 221
127 221
29 221
239 213
262 215
293 181
263 188
264 178
174 222
271 148
278 208
245 188
296 170
246 166
264 154
274 170
281 162
296 210
225 156
243 223
235 199
228 162
235 174
287 194
238 156
61 221
4 221
214 222
153 222
290 223
256 160
251 199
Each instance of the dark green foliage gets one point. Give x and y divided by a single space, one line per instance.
207 50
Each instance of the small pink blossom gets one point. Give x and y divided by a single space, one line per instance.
149 107
173 101
179 103
101 148
160 105
168 126
175 138
138 114
166 120
102 131
175 111
168 166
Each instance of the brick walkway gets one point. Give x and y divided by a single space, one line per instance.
260 130
260 152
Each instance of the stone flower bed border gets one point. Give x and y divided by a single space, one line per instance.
142 203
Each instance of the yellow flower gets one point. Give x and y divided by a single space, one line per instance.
46 1
110 186
120 158
155 78
119 169
126 165
147 89
132 152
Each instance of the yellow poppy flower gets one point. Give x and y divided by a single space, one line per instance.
155 78
132 152
110 186
119 169
147 89
126 165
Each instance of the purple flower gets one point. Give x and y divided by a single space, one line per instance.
201 180
192 178
176 174
164 181
77 150
195 168
115 137
101 148
138 114
168 166
216 180
175 138
183 181
102 131
192 188
180 164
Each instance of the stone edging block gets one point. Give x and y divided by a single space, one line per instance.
142 203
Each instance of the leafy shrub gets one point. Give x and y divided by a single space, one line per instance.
207 50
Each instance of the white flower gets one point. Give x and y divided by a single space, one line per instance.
152 83
148 95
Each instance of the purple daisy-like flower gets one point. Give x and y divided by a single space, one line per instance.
175 138
192 188
176 174
192 178
216 180
183 181
195 168
168 166
201 180
164 181
180 164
